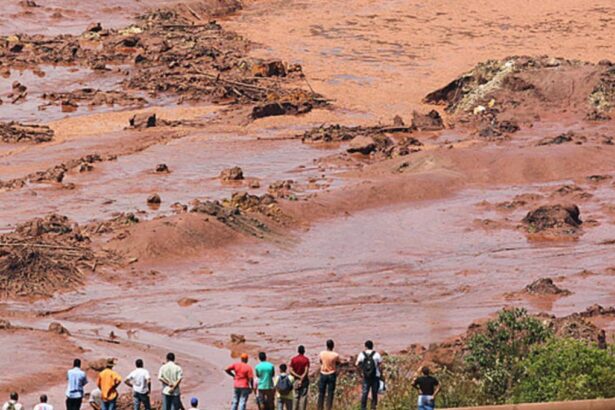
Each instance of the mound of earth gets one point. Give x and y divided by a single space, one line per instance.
545 286
13 132
498 94
167 51
43 256
557 219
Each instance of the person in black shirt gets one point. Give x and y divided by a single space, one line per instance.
428 387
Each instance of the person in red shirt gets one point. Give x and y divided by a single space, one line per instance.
300 369
243 377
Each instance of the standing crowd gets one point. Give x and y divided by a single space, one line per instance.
285 390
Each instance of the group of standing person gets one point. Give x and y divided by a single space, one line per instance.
105 395
288 389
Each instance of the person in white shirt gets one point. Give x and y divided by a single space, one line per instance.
141 383
369 361
13 403
43 404
96 399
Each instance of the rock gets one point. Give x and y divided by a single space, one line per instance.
185 302
154 199
237 339
143 120
19 87
94 28
432 121
398 121
274 68
560 139
56 327
5 324
545 286
553 216
366 144
162 168
363 144
231 174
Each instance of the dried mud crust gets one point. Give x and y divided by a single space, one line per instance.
15 132
168 51
498 95
44 256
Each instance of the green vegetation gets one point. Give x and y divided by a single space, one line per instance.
566 369
514 358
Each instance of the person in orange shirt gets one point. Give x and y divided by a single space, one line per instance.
108 381
329 360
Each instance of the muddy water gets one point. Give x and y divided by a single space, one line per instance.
416 272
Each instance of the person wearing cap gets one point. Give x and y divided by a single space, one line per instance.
194 403
170 375
108 381
243 384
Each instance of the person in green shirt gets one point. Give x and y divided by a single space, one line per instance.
266 392
284 389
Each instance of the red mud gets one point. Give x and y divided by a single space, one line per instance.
349 239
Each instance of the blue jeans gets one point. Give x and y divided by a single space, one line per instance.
240 398
109 405
426 403
170 402
139 398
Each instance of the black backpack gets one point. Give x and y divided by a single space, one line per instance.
284 385
369 365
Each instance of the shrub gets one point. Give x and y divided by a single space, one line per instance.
495 353
566 369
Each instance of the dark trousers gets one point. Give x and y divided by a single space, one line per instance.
301 395
326 387
372 385
73 404
266 399
140 398
171 402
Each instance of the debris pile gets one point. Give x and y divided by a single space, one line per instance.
545 286
54 174
563 219
92 98
43 256
513 88
13 132
167 51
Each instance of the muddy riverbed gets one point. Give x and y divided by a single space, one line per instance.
415 233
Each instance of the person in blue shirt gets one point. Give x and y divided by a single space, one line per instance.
266 393
76 381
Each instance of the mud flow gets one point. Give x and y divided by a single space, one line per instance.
212 177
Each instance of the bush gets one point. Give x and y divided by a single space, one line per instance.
566 369
495 353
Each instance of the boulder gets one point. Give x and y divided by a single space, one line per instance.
231 174
553 216
154 199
